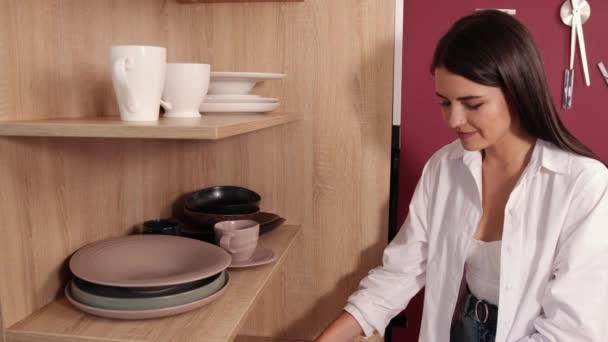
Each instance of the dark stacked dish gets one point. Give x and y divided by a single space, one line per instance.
204 208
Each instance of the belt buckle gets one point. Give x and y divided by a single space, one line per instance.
486 310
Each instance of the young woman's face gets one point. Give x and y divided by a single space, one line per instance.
478 114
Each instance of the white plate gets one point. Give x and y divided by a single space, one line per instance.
148 261
238 107
231 96
258 76
245 100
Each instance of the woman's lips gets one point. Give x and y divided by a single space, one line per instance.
466 135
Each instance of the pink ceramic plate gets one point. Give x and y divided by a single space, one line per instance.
146 314
261 256
148 260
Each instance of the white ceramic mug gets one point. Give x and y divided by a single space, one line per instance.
186 86
239 238
138 76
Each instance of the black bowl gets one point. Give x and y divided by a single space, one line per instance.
225 199
240 209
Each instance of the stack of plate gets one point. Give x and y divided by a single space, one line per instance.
202 209
146 276
229 92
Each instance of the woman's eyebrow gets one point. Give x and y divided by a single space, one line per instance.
462 98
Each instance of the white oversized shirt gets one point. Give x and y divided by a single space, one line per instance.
554 254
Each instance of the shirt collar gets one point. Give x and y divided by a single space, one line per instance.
553 158
545 155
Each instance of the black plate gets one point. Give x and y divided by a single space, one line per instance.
140 292
204 234
271 226
225 199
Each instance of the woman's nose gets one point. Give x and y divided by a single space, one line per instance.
455 117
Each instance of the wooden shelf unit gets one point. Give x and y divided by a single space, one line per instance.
219 321
208 126
317 172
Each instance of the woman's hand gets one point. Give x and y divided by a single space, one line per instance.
343 329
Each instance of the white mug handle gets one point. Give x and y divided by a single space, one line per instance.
166 104
121 65
225 242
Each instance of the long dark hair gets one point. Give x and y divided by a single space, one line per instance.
494 49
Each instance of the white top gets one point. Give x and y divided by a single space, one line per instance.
482 270
554 253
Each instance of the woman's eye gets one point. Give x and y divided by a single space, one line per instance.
444 104
472 106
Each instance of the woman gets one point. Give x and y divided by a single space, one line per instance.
508 225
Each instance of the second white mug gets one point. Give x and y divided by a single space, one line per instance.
186 85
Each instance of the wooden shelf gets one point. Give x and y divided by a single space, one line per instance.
245 338
209 1
208 126
219 321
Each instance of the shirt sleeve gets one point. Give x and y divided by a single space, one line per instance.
575 302
368 330
387 289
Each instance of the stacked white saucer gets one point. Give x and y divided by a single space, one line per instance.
229 93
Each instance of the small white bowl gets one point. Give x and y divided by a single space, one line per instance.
235 87
238 83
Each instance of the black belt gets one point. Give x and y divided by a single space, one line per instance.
480 310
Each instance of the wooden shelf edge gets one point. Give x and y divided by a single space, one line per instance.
212 1
29 336
247 338
28 329
209 126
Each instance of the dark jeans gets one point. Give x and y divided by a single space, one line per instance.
475 328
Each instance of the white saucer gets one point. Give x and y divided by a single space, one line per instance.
261 256
238 107
258 76
244 100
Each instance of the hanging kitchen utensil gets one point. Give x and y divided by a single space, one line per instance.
603 71
575 13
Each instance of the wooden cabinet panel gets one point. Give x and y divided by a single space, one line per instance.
328 171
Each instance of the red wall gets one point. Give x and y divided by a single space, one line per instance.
423 131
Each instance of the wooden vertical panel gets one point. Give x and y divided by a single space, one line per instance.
36 33
60 195
7 103
8 70
347 51
64 51
286 308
